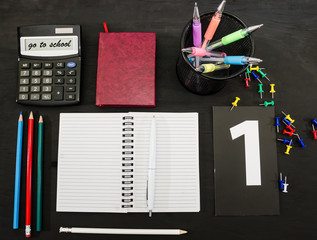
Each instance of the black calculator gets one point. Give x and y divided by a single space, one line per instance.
49 65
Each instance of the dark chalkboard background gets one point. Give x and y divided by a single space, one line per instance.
287 45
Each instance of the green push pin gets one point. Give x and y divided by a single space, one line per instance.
267 103
263 74
247 72
260 89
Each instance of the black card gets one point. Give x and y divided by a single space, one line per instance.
245 161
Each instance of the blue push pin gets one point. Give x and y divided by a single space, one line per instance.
301 141
284 140
256 77
287 122
315 121
277 123
281 181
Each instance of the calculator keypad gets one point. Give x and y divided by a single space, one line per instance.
49 82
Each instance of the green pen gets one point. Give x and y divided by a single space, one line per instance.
39 176
232 37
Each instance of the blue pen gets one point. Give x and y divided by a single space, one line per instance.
18 174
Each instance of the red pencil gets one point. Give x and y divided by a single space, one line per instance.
29 177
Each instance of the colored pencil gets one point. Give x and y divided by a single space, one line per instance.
29 177
39 176
123 231
18 173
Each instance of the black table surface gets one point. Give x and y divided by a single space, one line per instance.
287 45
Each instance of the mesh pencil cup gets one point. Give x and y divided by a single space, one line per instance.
209 83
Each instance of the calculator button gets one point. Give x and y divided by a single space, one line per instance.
25 65
36 73
46 88
35 97
71 65
46 96
59 65
25 73
23 89
48 65
59 73
35 80
35 89
58 80
71 72
37 65
47 80
70 97
47 73
70 89
71 80
58 93
24 81
23 96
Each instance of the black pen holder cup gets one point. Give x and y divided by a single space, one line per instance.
209 83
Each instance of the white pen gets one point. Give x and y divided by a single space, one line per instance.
151 169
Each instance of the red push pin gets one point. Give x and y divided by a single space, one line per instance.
247 82
314 132
290 133
290 128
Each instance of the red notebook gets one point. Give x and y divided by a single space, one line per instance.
126 70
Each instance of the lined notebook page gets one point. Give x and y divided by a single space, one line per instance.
177 162
89 162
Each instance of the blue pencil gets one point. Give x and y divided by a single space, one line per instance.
18 174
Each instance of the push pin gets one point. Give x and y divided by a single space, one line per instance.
285 185
277 124
284 140
235 103
288 147
263 75
254 68
314 132
288 117
247 82
301 141
256 77
260 89
287 122
272 90
281 181
247 72
290 133
265 104
315 121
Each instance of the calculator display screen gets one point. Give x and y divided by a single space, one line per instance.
49 46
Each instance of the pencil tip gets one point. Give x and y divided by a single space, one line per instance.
41 119
20 117
182 232
31 115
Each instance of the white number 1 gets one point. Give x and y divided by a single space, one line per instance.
250 130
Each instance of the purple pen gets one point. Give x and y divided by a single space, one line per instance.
196 27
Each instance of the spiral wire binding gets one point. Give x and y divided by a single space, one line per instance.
127 161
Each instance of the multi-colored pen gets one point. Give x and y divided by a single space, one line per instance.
232 37
196 31
213 25
207 68
234 60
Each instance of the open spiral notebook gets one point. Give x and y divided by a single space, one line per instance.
103 162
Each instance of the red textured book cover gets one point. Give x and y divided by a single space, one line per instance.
126 70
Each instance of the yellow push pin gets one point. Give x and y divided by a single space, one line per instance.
235 103
288 147
254 68
272 90
288 117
